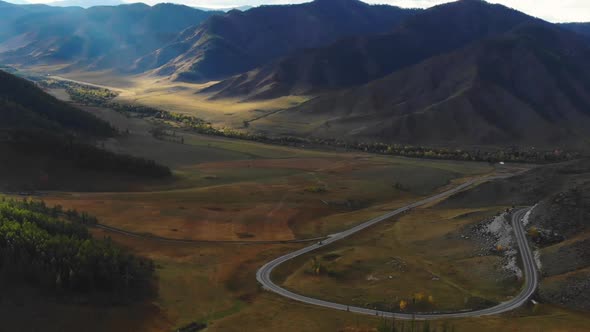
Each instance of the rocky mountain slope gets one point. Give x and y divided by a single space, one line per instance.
558 225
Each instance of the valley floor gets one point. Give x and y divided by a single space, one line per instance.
233 190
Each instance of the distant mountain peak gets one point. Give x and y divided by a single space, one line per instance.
340 3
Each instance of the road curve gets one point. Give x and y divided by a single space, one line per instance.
263 275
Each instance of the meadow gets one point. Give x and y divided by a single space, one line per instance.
181 98
234 190
228 189
419 257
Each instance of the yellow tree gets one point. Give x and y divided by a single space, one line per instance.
430 299
403 304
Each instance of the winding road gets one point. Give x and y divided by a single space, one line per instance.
263 275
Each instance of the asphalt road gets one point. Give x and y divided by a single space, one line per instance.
263 275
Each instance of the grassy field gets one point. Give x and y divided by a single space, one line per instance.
235 190
228 189
419 253
215 283
183 98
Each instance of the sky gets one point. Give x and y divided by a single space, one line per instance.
550 10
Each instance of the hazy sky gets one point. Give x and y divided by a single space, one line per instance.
551 10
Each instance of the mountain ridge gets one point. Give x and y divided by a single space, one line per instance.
529 86
105 37
359 60
229 44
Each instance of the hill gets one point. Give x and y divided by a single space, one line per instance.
105 37
25 106
560 227
359 60
558 224
239 41
48 144
529 87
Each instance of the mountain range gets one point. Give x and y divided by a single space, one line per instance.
461 73
239 41
359 60
106 37
86 3
530 86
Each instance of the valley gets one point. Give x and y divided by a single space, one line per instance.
327 166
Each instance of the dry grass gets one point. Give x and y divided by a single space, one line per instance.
230 189
266 199
227 189
184 98
421 252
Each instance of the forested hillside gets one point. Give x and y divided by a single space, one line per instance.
53 249
25 106
49 144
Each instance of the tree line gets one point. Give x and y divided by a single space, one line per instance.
61 255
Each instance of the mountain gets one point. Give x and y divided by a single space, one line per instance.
86 3
558 224
11 14
239 41
359 60
240 8
581 28
46 144
530 86
106 37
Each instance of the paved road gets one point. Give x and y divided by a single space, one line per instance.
530 272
